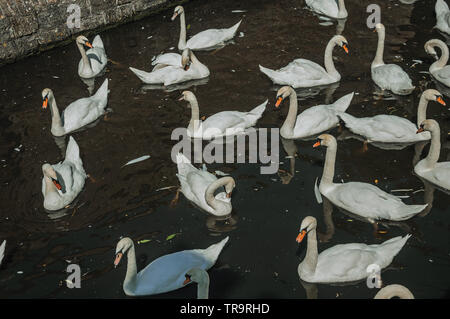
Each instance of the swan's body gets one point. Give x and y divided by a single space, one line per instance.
205 40
302 73
442 16
79 113
439 69
429 168
2 251
221 124
362 199
389 76
199 186
332 8
165 273
168 71
390 128
312 121
345 262
63 182
94 60
391 291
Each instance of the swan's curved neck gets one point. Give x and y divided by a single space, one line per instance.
209 194
328 169
435 149
182 40
308 265
288 126
422 110
56 118
442 62
194 123
129 284
194 59
342 9
328 58
203 289
380 49
86 63
394 291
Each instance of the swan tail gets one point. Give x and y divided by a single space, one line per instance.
184 166
212 252
73 154
270 73
257 112
441 7
2 250
102 91
234 28
349 120
393 246
97 42
141 74
408 212
343 103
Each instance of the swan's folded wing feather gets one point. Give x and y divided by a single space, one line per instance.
443 73
305 69
80 113
315 120
221 121
391 76
173 59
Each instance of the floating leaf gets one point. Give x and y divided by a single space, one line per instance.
171 236
188 27
144 241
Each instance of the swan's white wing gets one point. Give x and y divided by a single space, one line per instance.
173 59
315 120
195 188
220 122
392 77
81 112
212 37
439 175
443 75
326 7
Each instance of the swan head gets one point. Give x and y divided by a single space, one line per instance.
308 223
186 59
325 140
229 186
46 94
177 11
391 291
434 95
429 48
187 96
84 41
342 42
122 247
50 173
283 93
196 275
428 125
379 27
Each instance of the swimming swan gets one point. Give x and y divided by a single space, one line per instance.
439 69
331 8
94 60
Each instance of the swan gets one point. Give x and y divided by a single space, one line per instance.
439 69
429 168
391 291
94 60
2 251
199 186
345 262
302 73
312 121
165 273
220 124
442 16
201 277
79 113
63 182
389 76
189 68
205 40
361 199
391 128
332 8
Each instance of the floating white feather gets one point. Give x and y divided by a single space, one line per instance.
136 160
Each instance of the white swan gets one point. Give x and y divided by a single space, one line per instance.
332 8
2 251
201 277
79 113
313 120
439 69
429 168
361 199
94 60
63 182
205 40
199 186
345 262
389 76
442 16
302 73
165 273
220 124
167 72
391 291
391 128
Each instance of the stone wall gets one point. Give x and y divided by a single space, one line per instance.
30 26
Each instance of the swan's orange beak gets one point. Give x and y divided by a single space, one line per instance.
300 236
279 100
88 44
345 47
118 258
174 16
187 280
316 144
420 130
45 103
440 100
